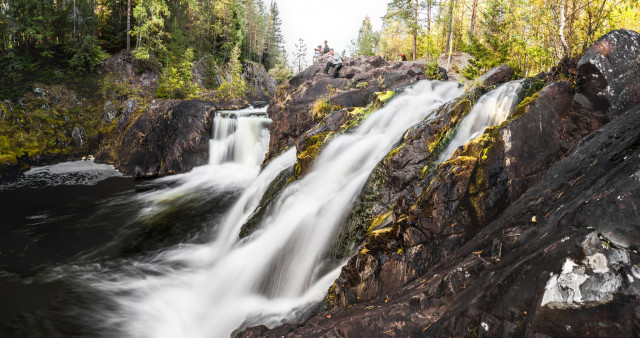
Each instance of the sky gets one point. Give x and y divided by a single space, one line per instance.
336 21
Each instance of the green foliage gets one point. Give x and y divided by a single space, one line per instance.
177 80
233 87
150 32
432 71
87 54
210 77
483 59
281 72
274 51
117 88
367 40
323 105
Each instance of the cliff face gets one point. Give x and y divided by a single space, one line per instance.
529 229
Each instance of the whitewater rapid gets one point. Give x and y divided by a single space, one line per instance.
491 109
281 270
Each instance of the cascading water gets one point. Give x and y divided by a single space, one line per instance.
490 110
275 274
239 137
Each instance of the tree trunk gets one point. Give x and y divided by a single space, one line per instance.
565 46
128 27
74 19
428 17
472 25
450 29
415 32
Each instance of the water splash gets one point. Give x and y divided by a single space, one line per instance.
281 269
491 109
240 140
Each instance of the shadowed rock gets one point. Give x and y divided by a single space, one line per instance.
170 136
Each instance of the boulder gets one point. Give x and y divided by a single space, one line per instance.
170 136
608 76
496 75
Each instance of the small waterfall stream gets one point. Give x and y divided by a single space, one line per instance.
491 109
209 290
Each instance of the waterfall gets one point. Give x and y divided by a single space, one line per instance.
239 136
278 272
491 109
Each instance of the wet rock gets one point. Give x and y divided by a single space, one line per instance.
170 136
291 107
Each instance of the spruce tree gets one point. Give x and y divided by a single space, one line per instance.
274 37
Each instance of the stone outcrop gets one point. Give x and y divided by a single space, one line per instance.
528 230
170 136
261 85
292 108
571 271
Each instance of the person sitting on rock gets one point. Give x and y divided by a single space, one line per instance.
326 48
334 61
403 57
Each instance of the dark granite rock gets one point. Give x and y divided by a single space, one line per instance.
496 75
529 230
292 107
171 136
572 272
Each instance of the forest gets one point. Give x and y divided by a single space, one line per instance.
52 39
44 38
529 35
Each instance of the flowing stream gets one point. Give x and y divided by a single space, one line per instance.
491 109
214 283
278 272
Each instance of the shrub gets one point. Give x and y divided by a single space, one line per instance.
177 81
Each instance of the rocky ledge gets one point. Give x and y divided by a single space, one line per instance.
528 230
294 107
168 137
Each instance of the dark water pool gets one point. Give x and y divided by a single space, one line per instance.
53 220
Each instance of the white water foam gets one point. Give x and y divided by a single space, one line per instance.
280 270
491 109
67 173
